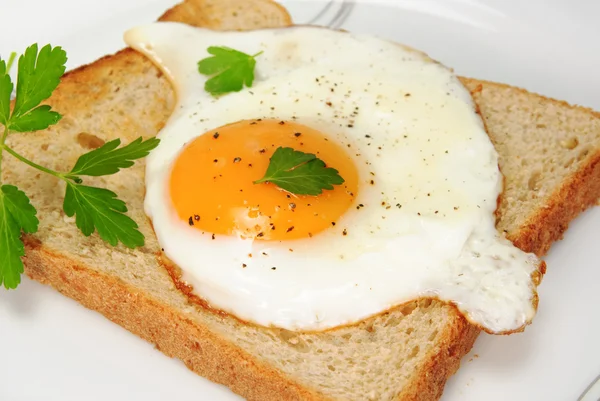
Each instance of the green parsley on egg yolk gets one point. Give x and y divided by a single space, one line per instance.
212 182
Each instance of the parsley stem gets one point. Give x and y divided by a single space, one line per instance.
2 140
34 165
11 60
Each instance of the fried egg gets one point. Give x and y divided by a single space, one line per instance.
414 217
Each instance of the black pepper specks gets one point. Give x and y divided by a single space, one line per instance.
292 206
297 134
273 268
191 221
213 237
216 135
237 160
290 229
345 232
281 122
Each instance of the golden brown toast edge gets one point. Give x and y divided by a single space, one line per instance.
575 195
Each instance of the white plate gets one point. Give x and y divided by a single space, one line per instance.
53 349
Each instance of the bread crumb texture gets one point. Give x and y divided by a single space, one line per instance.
550 157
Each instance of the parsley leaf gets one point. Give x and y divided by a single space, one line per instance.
22 211
300 173
99 209
6 88
230 70
38 75
95 209
16 215
107 159
11 249
37 119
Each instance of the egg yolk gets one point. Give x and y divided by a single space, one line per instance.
212 182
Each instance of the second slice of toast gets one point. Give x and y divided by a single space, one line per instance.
549 153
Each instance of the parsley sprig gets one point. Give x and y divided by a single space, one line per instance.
229 69
300 173
95 209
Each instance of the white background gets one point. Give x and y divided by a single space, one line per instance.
53 349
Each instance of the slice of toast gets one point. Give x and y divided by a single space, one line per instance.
549 152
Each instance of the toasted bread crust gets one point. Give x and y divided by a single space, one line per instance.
208 13
172 333
429 381
211 356
549 224
206 353
580 192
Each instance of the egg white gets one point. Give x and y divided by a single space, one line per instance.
423 227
